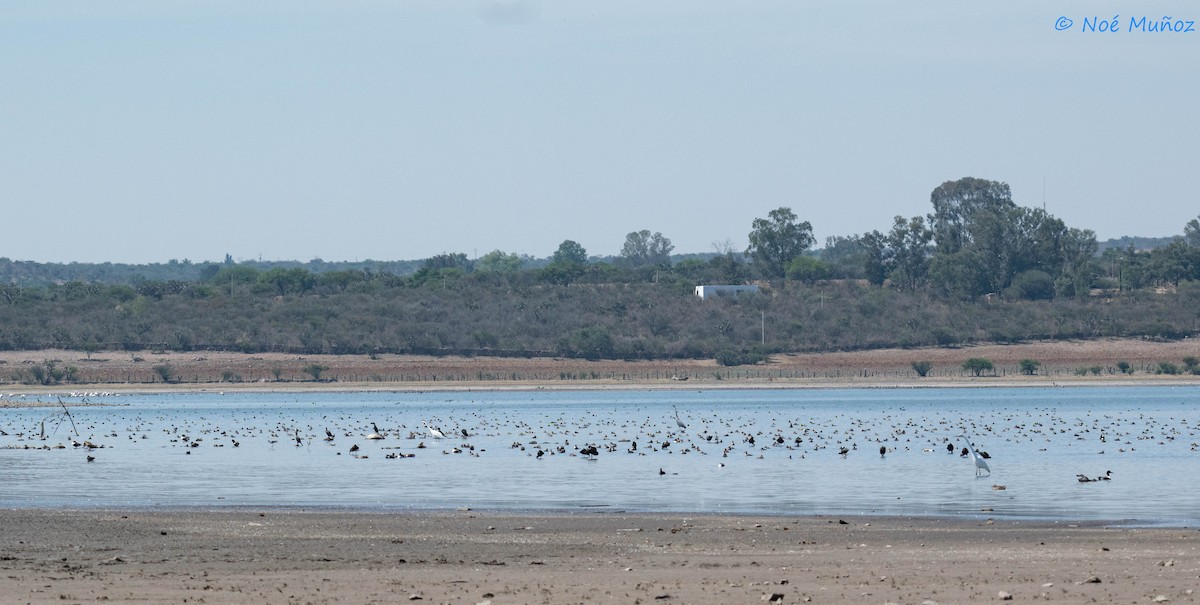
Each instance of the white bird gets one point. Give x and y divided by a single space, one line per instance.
435 433
980 464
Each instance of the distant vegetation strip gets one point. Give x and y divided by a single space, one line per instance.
979 268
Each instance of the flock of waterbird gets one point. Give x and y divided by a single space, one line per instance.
592 435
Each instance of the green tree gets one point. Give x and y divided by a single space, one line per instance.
729 358
809 270
454 260
643 249
957 275
978 365
569 253
877 257
1079 264
1174 263
287 281
955 204
726 268
983 240
1031 285
845 256
500 262
230 275
590 343
775 241
1029 367
566 265
1191 232
1192 364
315 370
90 346
922 367
442 270
341 280
909 242
996 244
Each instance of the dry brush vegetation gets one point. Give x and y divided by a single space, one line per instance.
517 328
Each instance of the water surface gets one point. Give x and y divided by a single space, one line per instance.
178 450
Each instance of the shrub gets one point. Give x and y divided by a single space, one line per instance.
165 371
1124 367
1031 285
734 358
945 336
1191 364
1166 367
315 370
978 365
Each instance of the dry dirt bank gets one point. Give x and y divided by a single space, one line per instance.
1061 363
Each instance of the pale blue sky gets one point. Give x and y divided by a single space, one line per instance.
146 131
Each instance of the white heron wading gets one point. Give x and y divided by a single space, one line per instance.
435 433
980 464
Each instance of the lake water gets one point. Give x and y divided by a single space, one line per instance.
177 450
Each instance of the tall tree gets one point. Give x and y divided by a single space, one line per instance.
1078 251
569 253
877 258
642 249
910 243
955 204
775 241
1191 232
846 256
566 265
1174 263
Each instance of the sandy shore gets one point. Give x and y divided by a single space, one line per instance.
274 556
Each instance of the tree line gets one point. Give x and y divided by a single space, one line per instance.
978 268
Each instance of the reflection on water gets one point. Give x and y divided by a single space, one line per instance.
747 451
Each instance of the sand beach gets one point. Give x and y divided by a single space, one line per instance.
295 556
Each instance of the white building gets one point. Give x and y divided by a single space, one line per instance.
709 291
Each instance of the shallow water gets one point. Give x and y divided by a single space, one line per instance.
1038 440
